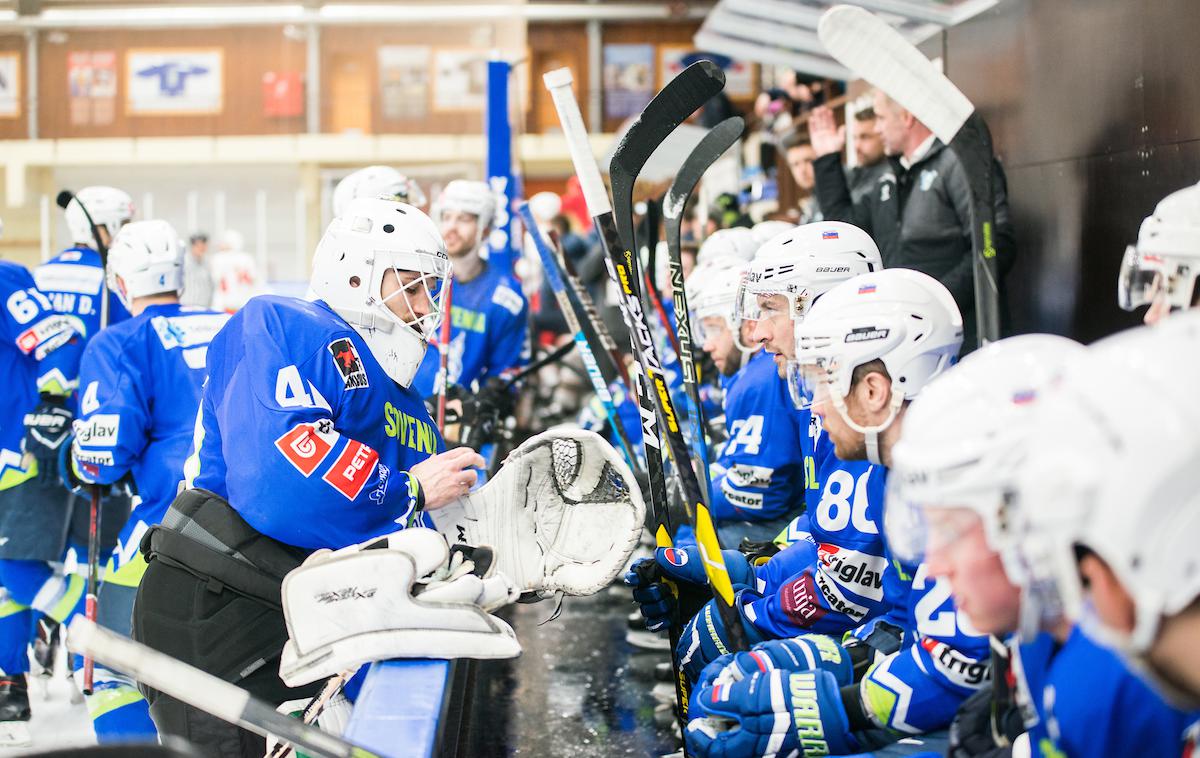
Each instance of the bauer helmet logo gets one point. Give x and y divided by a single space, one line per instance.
833 270
867 334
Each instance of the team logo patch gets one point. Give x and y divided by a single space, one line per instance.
350 472
675 556
306 445
799 601
349 365
829 235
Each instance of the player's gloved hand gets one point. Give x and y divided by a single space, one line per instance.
704 639
67 472
445 477
976 725
806 652
47 427
771 713
655 600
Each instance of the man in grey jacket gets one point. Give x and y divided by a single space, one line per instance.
920 212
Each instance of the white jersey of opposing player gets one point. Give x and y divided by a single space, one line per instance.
236 279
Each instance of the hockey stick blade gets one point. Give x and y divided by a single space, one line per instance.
714 144
202 690
674 104
64 198
875 51
869 47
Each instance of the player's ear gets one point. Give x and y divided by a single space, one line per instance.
1112 601
875 390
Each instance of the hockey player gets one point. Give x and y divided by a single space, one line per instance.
377 182
865 350
965 442
756 486
737 242
236 277
309 436
489 330
1162 268
33 333
140 383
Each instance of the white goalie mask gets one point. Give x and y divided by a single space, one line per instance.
1166 258
358 249
108 207
1142 525
376 182
712 291
904 318
962 447
146 258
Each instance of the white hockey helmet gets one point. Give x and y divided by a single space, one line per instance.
358 248
376 181
108 207
712 291
803 263
475 198
1167 254
735 242
904 318
765 231
545 206
231 241
963 444
1096 463
146 258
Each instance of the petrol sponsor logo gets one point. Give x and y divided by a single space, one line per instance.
306 445
675 556
799 601
861 573
958 668
349 365
867 334
100 430
350 472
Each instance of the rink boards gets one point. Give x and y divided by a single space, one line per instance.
413 708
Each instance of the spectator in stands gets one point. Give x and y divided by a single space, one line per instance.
197 279
868 153
921 214
798 150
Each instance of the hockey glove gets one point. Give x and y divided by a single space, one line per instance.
772 713
47 427
704 639
807 652
655 600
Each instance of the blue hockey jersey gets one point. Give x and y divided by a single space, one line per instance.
73 280
140 383
489 332
32 333
303 432
754 478
1085 702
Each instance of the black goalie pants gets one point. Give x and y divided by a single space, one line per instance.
211 598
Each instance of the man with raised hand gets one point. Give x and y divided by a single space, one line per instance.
864 352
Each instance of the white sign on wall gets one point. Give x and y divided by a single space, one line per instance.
170 82
10 85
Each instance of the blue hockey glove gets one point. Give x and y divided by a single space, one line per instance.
807 652
655 600
47 427
704 639
772 713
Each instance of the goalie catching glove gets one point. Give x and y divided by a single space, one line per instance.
563 514
400 596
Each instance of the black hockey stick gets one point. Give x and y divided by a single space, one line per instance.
872 49
593 320
91 607
679 99
711 147
202 690
558 286
650 222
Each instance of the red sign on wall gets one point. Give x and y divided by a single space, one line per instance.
283 94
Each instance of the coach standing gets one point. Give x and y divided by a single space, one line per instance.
920 211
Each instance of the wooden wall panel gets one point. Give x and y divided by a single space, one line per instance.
553 46
15 128
250 52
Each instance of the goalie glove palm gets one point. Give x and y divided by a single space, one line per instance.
563 514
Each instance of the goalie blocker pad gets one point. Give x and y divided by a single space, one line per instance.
563 514
352 606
